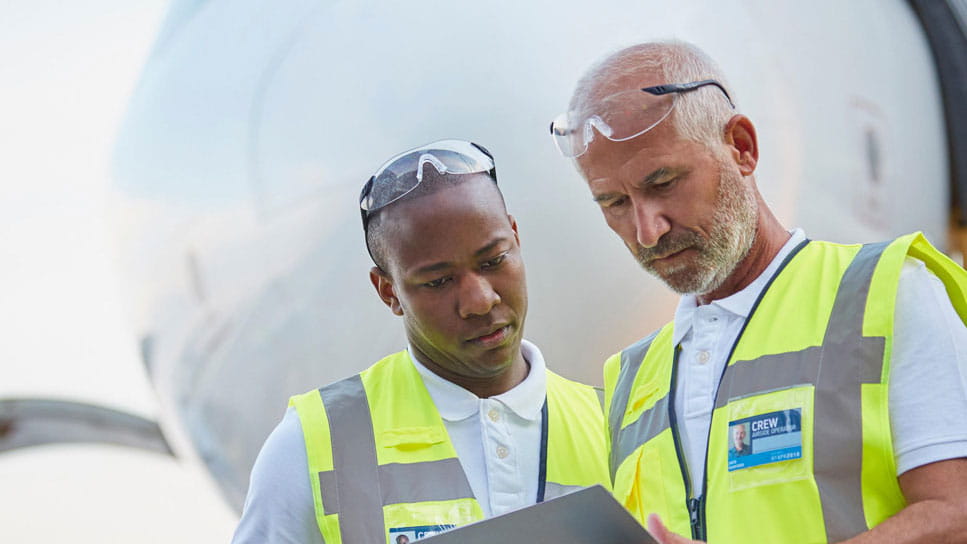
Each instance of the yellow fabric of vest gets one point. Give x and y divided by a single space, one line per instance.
831 309
409 433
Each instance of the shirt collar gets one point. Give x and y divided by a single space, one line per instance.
740 303
455 403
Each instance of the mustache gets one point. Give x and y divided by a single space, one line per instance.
667 245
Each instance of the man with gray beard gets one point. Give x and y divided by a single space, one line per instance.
847 364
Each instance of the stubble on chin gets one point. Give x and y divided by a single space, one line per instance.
733 232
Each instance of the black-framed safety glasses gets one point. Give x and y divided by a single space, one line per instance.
402 174
621 116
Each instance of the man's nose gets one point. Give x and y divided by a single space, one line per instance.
650 222
477 296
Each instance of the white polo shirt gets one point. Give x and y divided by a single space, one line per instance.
928 381
497 441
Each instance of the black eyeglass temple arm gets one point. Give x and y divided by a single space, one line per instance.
685 87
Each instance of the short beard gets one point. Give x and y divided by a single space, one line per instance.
734 227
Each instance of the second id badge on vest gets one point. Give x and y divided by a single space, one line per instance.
765 438
405 535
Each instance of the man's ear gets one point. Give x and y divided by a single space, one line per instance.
513 225
385 290
741 139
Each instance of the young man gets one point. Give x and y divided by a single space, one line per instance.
464 424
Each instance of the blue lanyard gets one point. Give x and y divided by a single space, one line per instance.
542 473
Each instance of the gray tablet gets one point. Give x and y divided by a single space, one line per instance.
588 516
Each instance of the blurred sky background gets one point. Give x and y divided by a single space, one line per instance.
67 70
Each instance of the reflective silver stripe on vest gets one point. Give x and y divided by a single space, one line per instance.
838 438
623 440
836 369
330 494
553 490
357 488
442 480
648 425
354 481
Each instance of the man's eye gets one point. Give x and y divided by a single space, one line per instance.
495 261
615 206
439 282
665 184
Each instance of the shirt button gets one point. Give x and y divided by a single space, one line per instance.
502 452
702 357
493 414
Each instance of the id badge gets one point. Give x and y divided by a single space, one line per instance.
405 535
765 439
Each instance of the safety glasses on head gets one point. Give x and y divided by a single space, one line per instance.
621 116
404 172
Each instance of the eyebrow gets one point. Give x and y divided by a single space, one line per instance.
436 267
431 268
489 247
648 180
606 196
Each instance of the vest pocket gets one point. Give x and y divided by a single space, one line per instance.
429 517
765 438
649 481
412 437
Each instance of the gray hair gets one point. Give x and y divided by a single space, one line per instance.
699 116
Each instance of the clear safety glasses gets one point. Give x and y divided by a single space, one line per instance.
404 172
621 116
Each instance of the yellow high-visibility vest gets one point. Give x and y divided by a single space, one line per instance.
380 457
815 355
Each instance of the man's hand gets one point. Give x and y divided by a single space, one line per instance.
663 535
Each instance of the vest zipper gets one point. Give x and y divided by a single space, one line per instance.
694 517
693 505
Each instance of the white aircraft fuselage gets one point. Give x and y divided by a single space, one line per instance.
255 125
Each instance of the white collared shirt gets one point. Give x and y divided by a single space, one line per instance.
928 383
497 439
